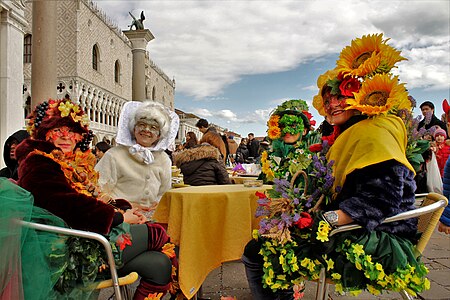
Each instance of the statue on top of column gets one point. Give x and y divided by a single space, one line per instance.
137 23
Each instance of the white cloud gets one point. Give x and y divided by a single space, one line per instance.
208 45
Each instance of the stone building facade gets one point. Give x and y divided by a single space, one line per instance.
94 66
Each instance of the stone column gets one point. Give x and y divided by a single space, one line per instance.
43 49
139 40
12 24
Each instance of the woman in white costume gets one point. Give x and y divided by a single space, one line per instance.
138 168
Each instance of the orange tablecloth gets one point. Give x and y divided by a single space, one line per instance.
211 224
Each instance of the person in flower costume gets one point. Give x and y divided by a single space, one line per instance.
57 168
371 180
288 126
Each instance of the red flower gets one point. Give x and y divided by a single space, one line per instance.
349 86
309 116
305 220
123 240
260 195
315 148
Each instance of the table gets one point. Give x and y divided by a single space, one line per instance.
210 224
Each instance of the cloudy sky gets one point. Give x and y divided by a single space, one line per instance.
235 60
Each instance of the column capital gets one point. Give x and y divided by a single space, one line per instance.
139 38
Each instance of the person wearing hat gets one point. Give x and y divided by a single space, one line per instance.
441 148
138 168
57 167
9 155
372 179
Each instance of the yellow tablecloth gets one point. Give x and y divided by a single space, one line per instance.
211 225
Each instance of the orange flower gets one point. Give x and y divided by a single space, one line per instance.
274 133
168 249
154 296
273 121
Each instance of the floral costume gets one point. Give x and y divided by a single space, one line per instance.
65 184
371 180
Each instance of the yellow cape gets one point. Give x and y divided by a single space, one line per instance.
366 143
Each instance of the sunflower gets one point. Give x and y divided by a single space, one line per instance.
367 56
362 56
274 132
273 120
381 94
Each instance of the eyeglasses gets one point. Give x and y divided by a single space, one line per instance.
149 127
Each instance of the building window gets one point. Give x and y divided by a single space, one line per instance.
117 71
95 57
27 49
154 93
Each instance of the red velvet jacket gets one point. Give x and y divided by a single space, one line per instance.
44 178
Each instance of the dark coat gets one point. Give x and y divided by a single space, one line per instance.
253 148
45 180
434 121
10 171
202 166
242 154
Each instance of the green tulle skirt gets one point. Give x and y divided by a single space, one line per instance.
355 261
38 265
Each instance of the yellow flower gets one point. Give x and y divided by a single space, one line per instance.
281 277
368 258
338 288
381 275
358 249
358 265
426 284
379 267
336 276
355 293
323 230
373 290
84 120
65 108
305 262
281 259
368 55
380 95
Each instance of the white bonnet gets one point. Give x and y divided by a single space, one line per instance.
134 111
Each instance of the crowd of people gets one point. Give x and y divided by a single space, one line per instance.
355 168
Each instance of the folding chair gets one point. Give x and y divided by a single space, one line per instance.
119 284
428 213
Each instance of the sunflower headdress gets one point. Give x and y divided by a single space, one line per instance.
363 73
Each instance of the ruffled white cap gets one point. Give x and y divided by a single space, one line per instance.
157 112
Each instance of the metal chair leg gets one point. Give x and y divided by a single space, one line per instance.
322 286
